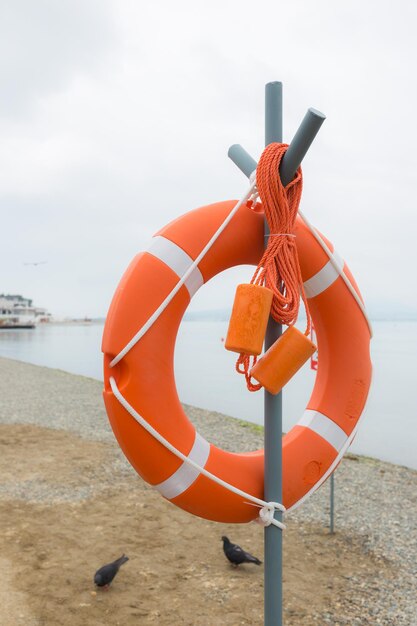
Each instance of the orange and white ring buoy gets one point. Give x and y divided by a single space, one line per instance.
145 375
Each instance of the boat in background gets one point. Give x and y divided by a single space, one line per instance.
18 312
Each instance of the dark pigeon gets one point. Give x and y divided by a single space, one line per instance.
105 574
237 555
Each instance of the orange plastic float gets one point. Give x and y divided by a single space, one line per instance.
249 319
283 359
145 374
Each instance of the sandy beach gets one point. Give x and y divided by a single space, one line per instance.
70 502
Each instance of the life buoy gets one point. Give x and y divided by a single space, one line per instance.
145 375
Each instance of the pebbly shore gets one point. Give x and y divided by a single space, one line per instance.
375 502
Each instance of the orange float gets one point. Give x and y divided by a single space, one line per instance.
145 374
283 359
249 319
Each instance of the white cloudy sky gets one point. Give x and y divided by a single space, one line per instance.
116 117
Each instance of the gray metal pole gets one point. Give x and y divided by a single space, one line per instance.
300 144
297 149
273 404
273 112
332 504
242 159
273 416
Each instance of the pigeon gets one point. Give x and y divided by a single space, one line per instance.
105 574
236 554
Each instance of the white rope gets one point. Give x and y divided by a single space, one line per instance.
349 285
338 268
332 466
182 280
267 508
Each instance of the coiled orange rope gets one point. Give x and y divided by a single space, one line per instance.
279 267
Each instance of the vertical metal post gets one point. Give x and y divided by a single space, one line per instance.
273 416
297 149
332 504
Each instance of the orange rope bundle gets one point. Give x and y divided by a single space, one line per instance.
279 267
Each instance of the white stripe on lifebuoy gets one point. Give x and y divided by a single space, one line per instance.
179 261
185 475
325 277
325 427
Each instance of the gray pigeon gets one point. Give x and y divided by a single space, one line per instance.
236 554
105 574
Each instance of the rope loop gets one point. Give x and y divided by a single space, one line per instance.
279 267
243 366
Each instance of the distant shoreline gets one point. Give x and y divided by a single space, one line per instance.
222 315
255 429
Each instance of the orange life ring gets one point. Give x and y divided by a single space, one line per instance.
145 375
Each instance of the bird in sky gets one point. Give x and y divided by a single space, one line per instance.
35 263
236 554
104 575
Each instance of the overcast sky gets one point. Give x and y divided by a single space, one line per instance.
116 117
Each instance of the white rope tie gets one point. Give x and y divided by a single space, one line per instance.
267 515
265 507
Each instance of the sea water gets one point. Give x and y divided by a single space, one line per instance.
205 376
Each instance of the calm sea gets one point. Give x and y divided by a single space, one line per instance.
206 378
